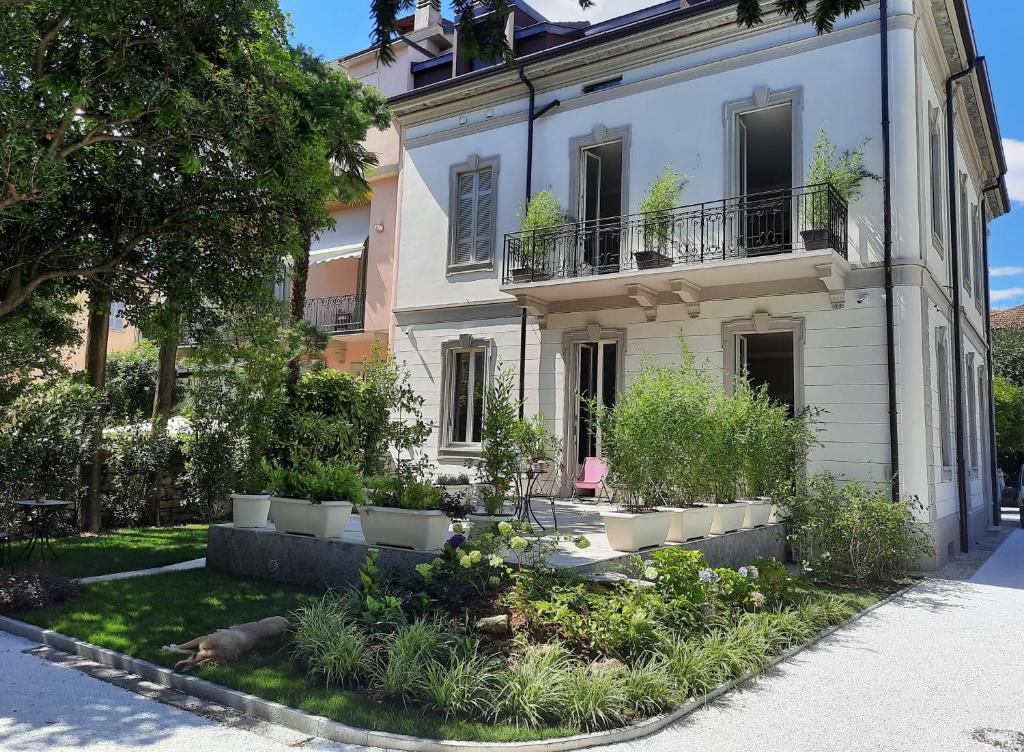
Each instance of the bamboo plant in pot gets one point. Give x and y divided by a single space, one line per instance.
537 238
845 173
662 197
498 465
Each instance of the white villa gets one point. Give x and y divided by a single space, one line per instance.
889 345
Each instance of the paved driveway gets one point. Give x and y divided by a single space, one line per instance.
938 669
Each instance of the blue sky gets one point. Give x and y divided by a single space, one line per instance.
335 27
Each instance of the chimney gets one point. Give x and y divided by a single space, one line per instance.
428 13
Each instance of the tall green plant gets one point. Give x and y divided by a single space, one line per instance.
500 430
662 196
542 212
845 173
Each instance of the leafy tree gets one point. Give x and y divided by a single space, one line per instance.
1008 353
1009 404
482 34
131 382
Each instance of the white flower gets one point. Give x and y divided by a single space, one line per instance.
519 543
742 571
495 560
752 572
650 573
466 562
707 576
475 556
504 528
757 598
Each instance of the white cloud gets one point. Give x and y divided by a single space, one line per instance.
1014 151
602 10
1005 271
1010 293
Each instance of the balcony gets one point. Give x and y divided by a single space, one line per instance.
336 314
782 238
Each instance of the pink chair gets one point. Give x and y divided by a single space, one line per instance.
591 478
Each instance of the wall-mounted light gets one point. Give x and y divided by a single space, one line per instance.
864 297
379 227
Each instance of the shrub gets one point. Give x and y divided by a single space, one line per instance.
449 479
460 685
315 481
24 591
853 531
594 698
395 427
131 383
329 642
400 664
498 465
45 435
662 196
846 174
135 457
533 688
543 211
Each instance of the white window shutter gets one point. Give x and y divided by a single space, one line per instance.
462 253
484 233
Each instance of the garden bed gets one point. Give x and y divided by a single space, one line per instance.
125 550
136 617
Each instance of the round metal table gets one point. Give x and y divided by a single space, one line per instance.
40 515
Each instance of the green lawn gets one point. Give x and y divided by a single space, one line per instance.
124 550
137 616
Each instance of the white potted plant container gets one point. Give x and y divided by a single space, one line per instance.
315 500
408 518
690 523
250 510
321 519
757 513
634 531
728 517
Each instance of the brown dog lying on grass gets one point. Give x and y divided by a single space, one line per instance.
226 645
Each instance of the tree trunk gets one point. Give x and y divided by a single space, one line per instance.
90 514
163 398
300 279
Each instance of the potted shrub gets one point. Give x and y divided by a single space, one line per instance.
314 499
250 507
846 174
408 516
638 523
541 213
454 483
498 465
663 195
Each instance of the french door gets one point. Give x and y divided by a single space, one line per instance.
597 368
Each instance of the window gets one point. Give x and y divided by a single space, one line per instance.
942 382
471 214
983 413
979 270
602 85
965 234
935 167
768 350
972 415
116 322
466 364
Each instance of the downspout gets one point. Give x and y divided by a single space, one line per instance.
531 118
890 303
958 354
993 465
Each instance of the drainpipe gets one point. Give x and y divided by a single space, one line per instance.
996 505
890 303
958 354
531 118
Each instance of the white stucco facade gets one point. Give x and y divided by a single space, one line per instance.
675 100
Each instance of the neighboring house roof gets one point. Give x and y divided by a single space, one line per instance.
1003 318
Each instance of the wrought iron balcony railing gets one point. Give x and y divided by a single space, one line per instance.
801 219
337 314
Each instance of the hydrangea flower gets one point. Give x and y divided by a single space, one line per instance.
425 570
475 556
458 528
456 540
519 543
581 542
742 571
752 572
494 581
504 528
757 598
466 562
650 573
707 576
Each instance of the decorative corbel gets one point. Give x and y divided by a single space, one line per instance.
689 293
646 298
833 277
536 308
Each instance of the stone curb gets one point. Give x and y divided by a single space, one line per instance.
324 728
181 566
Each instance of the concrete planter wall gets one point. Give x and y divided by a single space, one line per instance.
757 513
327 519
250 510
778 515
420 530
690 523
632 532
728 517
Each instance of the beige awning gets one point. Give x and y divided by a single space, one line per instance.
323 255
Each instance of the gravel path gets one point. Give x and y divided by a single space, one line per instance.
939 668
